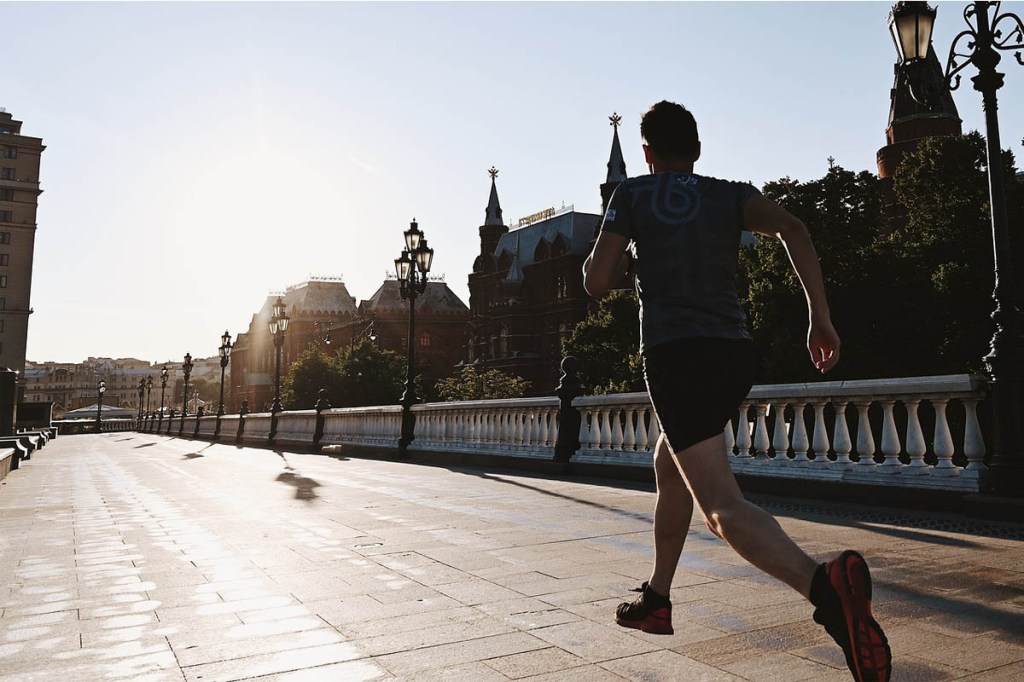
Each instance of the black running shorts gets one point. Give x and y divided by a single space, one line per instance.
696 386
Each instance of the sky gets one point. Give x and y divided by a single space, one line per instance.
200 156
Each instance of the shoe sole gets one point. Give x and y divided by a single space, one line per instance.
656 626
871 653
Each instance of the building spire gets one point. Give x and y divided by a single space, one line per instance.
616 164
493 207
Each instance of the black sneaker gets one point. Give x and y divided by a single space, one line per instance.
650 612
841 593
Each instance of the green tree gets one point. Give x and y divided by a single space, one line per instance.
314 370
607 344
370 376
472 384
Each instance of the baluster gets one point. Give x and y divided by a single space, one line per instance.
974 442
841 433
890 437
606 429
943 440
618 437
743 432
800 440
780 439
916 447
865 438
761 441
586 415
730 439
642 415
653 430
820 441
629 430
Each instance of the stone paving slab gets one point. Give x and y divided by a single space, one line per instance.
141 557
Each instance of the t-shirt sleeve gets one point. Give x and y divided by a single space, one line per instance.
744 193
618 219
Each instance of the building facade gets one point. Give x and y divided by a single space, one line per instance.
19 197
70 386
526 288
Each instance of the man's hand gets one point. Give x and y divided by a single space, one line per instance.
823 344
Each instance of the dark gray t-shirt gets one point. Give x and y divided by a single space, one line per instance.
685 232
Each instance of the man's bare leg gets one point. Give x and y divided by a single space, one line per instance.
752 532
673 510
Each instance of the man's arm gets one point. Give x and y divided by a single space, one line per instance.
606 264
764 216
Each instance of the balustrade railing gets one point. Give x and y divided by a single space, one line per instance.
911 432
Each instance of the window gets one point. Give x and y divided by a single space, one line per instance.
425 340
6 216
6 195
3 281
5 259
10 153
503 340
5 237
3 303
560 287
7 174
1 325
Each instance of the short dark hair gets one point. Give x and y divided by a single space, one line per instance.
670 130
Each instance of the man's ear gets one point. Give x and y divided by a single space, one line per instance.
696 154
647 155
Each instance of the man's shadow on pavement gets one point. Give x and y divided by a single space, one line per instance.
305 488
198 453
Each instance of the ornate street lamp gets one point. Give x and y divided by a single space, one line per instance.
988 32
225 357
142 394
187 369
163 387
278 326
101 388
412 268
149 396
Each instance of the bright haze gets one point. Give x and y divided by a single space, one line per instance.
200 156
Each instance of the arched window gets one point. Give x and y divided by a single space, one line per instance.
561 289
505 262
504 342
425 340
558 247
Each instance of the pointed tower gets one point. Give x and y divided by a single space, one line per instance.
910 122
616 164
493 227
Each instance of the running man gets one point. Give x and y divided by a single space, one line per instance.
681 233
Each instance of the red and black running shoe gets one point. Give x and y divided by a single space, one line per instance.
650 612
847 617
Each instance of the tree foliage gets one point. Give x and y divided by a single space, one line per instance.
357 375
472 384
607 344
907 299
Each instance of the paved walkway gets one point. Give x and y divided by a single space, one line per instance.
140 557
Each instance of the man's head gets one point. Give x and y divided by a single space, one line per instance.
670 135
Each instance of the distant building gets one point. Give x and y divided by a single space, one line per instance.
19 196
69 386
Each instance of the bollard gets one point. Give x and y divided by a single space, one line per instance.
322 404
568 440
241 420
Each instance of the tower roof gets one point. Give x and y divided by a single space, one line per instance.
616 164
493 207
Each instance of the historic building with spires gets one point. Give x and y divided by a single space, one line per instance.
526 289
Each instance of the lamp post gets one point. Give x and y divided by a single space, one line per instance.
278 326
225 357
412 268
186 368
149 396
142 395
101 388
163 387
988 32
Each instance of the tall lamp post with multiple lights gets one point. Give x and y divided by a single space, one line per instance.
142 395
149 396
186 367
278 326
988 32
163 388
412 268
101 388
225 357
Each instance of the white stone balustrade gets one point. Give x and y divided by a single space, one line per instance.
295 428
257 428
524 427
372 426
228 428
617 429
207 427
890 413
